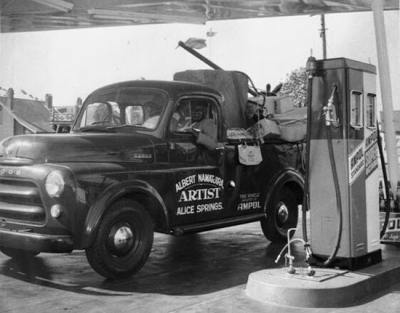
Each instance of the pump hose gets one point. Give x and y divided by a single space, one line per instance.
338 198
385 181
306 201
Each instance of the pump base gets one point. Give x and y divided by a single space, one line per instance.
351 264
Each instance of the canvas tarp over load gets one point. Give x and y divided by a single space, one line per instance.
231 84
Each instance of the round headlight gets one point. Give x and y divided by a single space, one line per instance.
55 184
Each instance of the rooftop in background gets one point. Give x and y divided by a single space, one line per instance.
40 15
31 114
20 94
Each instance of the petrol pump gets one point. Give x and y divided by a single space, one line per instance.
343 191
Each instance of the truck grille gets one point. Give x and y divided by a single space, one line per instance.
20 201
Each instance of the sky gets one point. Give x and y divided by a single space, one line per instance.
72 63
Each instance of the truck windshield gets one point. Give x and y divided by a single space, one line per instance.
137 107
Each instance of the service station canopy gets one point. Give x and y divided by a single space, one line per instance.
40 15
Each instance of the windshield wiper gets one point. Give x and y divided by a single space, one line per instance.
125 125
96 129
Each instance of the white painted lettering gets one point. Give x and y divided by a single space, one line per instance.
185 210
209 178
199 194
209 207
249 206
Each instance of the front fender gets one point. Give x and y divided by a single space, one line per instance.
291 178
112 194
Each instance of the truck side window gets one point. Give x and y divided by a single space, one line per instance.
181 117
185 113
197 117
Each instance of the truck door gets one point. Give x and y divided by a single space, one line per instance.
196 153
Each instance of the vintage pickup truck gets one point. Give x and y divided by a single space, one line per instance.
130 168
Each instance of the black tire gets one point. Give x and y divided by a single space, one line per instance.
281 216
130 221
17 253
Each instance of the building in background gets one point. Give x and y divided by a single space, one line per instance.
23 116
62 118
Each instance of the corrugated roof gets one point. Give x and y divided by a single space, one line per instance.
39 15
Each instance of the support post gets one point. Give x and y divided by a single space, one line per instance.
386 90
323 36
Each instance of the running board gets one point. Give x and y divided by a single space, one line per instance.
195 228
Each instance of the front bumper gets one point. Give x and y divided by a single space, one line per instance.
36 242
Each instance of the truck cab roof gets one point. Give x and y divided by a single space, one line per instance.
173 88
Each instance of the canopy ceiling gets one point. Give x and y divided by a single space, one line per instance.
39 15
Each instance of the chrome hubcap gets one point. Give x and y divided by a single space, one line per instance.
121 240
283 213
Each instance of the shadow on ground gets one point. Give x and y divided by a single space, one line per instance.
193 264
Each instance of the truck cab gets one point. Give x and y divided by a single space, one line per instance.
139 160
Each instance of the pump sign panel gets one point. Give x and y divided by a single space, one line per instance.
364 158
371 153
356 163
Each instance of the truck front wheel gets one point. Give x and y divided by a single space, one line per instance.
123 241
281 216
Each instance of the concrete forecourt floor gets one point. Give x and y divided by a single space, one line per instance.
226 270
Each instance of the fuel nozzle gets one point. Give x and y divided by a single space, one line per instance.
309 259
330 110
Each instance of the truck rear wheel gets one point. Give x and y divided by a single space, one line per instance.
282 216
123 241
